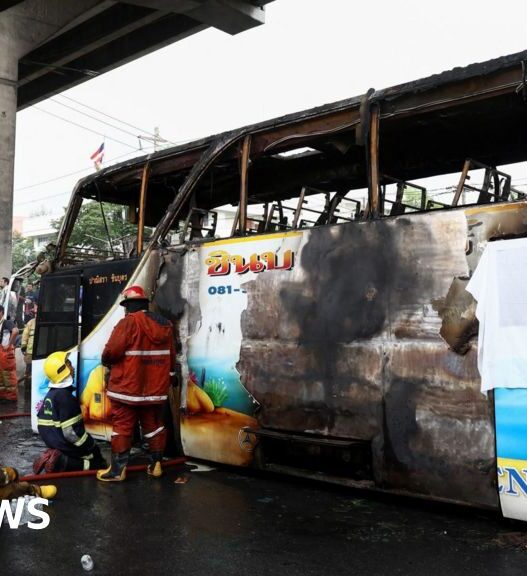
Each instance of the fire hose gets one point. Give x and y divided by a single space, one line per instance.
80 473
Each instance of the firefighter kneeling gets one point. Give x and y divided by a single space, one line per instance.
60 423
141 355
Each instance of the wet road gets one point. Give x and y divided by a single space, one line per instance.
222 522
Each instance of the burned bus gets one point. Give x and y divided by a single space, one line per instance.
316 281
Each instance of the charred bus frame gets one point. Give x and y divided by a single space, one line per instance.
362 361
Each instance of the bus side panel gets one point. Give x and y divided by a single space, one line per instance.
438 428
342 341
511 447
438 433
349 346
213 280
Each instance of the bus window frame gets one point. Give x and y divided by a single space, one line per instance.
46 284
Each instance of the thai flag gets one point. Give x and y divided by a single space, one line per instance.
98 156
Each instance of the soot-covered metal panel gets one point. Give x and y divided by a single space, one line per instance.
351 348
438 433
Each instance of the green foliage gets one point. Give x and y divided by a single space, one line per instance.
22 251
89 230
217 391
412 197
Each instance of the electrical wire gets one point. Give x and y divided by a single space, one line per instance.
135 149
41 199
94 118
84 127
85 71
52 180
70 174
112 117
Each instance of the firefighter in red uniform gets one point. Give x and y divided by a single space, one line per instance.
8 379
141 356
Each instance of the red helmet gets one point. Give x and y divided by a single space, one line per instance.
133 293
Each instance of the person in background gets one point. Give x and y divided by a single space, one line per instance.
30 303
4 283
26 345
60 423
8 299
8 379
141 356
4 290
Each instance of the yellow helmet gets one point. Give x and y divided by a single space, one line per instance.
55 367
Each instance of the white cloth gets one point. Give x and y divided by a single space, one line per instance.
13 304
68 381
3 296
499 284
5 335
9 300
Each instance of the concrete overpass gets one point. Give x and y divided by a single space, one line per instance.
47 46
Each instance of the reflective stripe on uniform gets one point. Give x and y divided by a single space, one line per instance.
152 434
147 353
125 397
81 440
58 424
71 421
42 422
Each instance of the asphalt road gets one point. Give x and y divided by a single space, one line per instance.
223 522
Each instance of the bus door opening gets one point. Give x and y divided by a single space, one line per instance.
57 329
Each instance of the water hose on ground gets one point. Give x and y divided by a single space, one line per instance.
81 473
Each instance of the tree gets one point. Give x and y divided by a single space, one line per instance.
412 196
23 251
89 230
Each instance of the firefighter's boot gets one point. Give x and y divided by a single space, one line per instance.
154 468
47 492
117 470
49 461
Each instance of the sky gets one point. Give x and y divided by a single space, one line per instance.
308 53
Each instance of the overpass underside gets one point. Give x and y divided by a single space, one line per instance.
47 46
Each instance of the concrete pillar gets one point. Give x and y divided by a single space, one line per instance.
26 24
22 27
7 169
8 106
